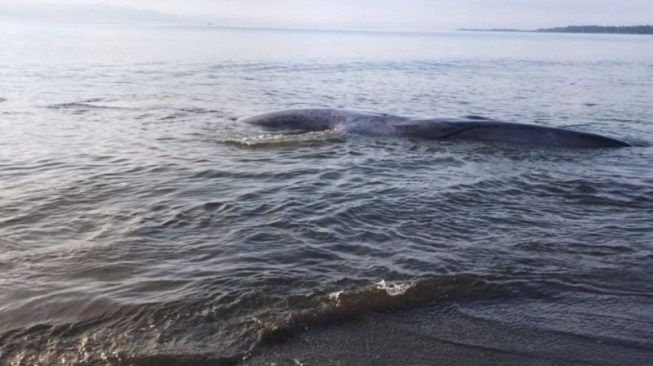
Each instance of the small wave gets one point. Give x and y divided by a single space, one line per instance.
391 289
198 110
394 289
170 359
3 100
350 305
127 334
283 140
82 104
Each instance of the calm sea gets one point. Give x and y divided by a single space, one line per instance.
142 224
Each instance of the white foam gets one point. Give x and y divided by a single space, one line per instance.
394 288
335 296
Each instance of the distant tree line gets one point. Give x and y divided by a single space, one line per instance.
634 29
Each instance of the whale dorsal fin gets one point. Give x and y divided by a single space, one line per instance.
475 117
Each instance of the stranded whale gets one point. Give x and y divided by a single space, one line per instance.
470 127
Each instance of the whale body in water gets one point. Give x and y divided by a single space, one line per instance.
470 127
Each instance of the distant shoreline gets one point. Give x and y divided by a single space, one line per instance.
593 29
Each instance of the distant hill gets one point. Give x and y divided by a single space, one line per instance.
633 29
93 13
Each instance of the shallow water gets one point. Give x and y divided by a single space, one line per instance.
141 224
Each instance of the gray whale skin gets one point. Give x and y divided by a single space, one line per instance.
470 127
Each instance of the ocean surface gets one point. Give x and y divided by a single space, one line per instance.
142 224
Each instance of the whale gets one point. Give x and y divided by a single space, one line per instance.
471 127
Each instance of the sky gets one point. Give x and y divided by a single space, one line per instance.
348 14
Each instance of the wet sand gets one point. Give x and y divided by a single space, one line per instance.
442 336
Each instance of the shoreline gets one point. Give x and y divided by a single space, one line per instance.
584 29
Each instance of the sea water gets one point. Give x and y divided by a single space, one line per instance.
142 224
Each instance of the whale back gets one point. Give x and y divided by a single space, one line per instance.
499 131
470 128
